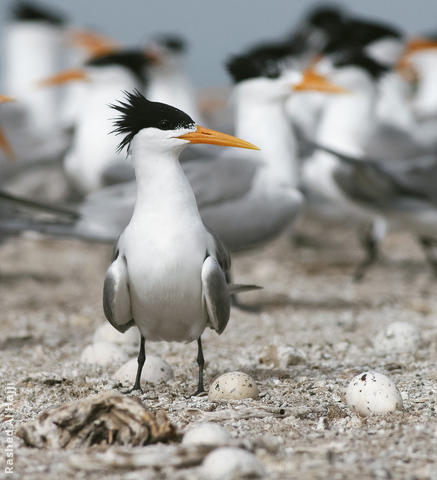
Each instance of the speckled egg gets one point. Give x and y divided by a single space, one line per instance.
207 433
233 386
107 333
372 393
398 337
155 370
103 354
226 463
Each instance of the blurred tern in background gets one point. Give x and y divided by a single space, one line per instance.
33 50
92 160
168 79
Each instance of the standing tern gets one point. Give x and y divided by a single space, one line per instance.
168 273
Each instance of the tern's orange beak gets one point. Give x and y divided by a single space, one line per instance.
6 99
152 55
6 146
61 78
4 143
414 45
205 135
313 81
417 44
94 44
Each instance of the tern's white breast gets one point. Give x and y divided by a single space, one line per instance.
165 245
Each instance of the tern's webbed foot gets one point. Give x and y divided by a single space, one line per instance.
429 248
199 393
135 388
371 247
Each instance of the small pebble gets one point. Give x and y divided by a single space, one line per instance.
207 433
107 333
155 370
226 463
103 354
289 356
398 337
233 386
372 393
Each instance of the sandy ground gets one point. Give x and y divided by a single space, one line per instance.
51 304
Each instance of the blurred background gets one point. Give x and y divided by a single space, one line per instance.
224 28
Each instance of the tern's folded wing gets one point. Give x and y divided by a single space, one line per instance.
215 295
116 298
220 179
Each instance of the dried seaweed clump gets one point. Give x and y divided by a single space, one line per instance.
108 418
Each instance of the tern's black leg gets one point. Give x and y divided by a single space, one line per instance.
428 245
237 303
201 363
371 246
141 360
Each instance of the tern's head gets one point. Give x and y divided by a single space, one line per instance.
263 79
31 12
323 25
110 68
356 71
379 41
132 61
418 64
163 128
166 52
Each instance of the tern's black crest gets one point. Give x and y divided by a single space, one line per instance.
272 51
137 113
174 43
359 59
245 67
357 34
364 32
325 16
27 11
134 60
322 26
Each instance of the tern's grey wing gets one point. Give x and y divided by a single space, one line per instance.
116 298
364 184
118 173
419 177
215 295
374 183
389 143
220 179
218 249
375 187
108 211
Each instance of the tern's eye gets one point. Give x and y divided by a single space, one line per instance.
163 124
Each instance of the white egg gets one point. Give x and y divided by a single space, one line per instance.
398 337
207 433
107 333
226 463
155 370
233 386
103 354
372 393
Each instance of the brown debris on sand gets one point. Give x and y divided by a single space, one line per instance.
108 418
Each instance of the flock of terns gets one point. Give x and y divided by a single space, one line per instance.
337 120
